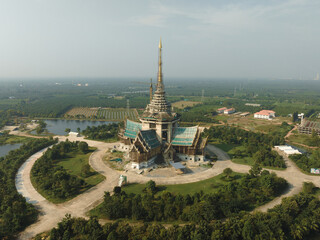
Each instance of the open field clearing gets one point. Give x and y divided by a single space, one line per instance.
257 125
108 114
184 104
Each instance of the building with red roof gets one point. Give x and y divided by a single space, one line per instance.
265 114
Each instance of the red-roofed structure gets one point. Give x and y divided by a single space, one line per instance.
221 110
229 111
265 114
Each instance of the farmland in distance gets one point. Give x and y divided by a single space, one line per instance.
108 114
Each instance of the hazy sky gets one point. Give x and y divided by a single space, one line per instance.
211 39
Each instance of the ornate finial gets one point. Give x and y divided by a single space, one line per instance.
151 90
159 85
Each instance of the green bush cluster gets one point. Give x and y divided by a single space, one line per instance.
102 132
230 199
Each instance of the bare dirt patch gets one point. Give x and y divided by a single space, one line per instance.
184 104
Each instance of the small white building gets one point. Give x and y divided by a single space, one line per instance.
229 111
287 150
265 114
253 104
74 134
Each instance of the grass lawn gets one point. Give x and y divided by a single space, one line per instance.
184 104
227 147
231 148
210 185
74 163
11 139
245 160
221 117
300 138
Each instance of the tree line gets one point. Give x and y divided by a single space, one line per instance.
296 217
252 190
53 179
257 145
102 132
15 212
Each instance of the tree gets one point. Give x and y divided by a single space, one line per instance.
67 130
117 190
255 170
308 187
83 147
78 130
227 172
151 187
315 138
85 170
295 117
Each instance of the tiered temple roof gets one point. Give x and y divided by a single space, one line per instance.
159 104
150 138
184 136
132 129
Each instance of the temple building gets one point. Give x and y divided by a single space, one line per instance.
158 134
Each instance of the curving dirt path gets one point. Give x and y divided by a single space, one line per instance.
51 214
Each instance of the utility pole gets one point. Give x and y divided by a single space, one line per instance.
202 96
128 106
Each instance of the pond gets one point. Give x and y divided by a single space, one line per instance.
5 149
58 127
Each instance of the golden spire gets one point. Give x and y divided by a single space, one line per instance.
151 90
160 84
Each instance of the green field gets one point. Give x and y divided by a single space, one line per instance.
11 139
231 148
210 185
74 163
298 138
117 114
9 101
108 114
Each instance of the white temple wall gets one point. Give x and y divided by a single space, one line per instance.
122 147
146 164
193 158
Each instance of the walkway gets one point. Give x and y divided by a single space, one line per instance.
51 214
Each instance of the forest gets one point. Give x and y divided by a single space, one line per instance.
256 145
297 217
53 180
15 212
253 190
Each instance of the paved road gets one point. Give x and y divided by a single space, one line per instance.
51 213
